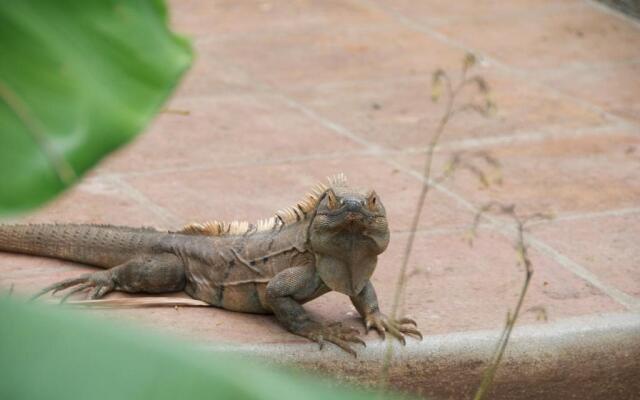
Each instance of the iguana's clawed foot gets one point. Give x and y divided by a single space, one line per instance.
397 328
100 282
336 333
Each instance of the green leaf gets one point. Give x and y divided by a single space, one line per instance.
46 353
77 80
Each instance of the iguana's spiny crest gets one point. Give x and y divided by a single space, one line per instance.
282 217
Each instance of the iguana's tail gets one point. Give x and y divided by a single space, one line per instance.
100 245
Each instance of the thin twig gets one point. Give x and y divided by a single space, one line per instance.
139 302
10 292
175 111
523 258
451 94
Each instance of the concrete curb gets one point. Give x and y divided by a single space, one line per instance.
594 357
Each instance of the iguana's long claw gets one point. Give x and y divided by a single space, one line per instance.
356 339
403 321
397 329
345 346
99 291
59 286
343 329
411 331
75 290
381 329
334 333
70 282
395 333
101 282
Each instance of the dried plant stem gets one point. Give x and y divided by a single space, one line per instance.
523 258
402 276
440 81
490 372
140 302
175 111
449 112
10 291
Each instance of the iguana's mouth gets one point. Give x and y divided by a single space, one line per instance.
344 213
354 221
352 216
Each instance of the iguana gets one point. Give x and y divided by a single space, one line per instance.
328 241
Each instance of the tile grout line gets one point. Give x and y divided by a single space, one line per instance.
455 228
543 132
373 148
417 78
621 212
630 302
619 296
582 67
542 11
209 38
207 167
411 24
622 298
454 145
603 8
376 150
534 136
418 27
165 215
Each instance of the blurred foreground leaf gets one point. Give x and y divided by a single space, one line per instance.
77 80
46 353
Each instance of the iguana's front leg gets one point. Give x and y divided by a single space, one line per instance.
366 302
284 293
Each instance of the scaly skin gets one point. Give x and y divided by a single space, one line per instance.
329 242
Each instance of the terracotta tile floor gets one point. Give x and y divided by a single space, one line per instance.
284 93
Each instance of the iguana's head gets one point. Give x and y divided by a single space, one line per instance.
347 233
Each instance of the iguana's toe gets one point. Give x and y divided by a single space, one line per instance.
59 286
403 321
101 283
411 331
76 289
99 291
397 328
336 333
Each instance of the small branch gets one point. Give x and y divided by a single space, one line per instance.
489 374
175 111
523 258
451 93
9 292
140 302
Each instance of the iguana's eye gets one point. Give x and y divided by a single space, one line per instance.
372 201
332 200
